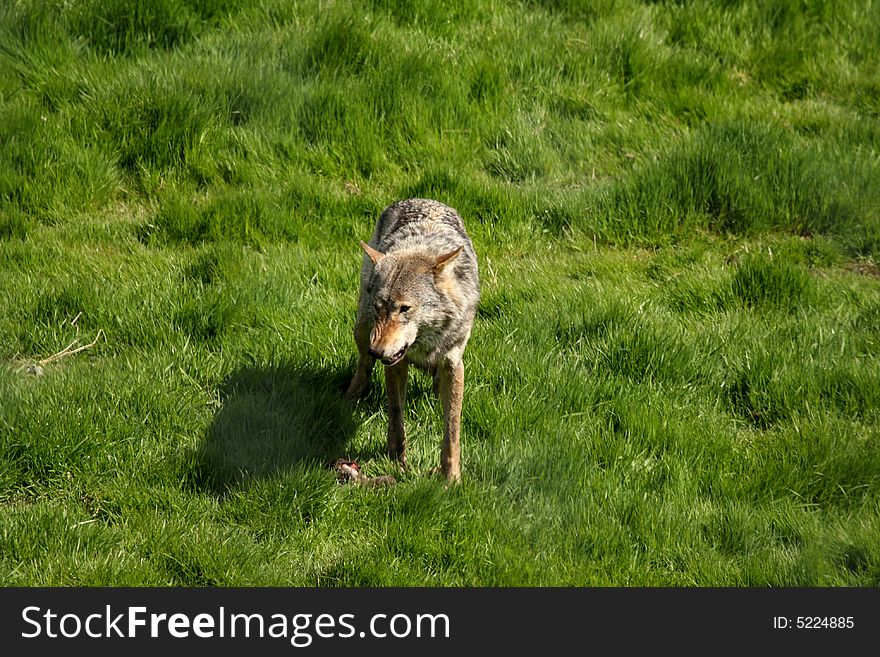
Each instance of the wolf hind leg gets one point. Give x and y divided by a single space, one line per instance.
434 373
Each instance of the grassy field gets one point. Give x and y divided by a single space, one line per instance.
674 378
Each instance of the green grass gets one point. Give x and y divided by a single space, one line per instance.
674 377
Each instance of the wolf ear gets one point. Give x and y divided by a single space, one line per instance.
375 255
443 261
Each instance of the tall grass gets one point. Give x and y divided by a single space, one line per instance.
673 374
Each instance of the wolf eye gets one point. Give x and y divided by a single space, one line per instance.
404 309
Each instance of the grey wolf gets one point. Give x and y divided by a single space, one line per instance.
420 287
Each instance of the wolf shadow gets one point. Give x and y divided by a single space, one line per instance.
274 419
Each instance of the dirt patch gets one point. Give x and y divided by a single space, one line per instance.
863 267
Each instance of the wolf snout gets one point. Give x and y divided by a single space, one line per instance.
388 358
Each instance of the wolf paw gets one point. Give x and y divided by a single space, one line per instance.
355 393
437 470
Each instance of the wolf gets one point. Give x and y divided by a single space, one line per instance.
419 291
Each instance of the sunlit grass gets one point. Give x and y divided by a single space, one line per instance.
673 376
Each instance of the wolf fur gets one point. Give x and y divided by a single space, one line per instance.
419 292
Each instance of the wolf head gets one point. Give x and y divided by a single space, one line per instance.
411 293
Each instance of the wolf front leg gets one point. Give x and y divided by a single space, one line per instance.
451 380
395 382
361 377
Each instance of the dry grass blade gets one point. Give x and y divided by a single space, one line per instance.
70 351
